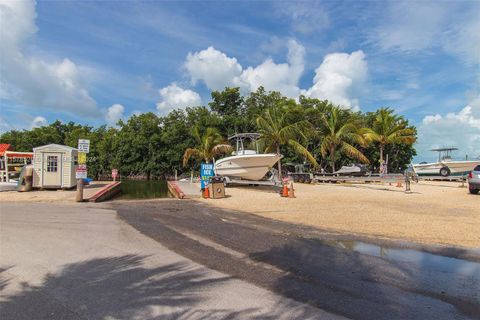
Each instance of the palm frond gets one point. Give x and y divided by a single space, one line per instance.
325 146
264 125
189 153
222 149
303 151
353 152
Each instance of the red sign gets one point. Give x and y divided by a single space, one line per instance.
81 171
114 173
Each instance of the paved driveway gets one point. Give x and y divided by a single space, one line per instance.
78 261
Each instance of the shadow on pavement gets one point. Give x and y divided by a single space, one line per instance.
121 288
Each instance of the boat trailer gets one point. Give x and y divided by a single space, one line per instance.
398 178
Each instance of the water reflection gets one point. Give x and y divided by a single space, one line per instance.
420 259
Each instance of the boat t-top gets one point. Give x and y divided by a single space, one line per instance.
246 164
445 166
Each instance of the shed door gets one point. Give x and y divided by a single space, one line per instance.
52 169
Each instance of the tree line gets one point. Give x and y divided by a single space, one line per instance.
305 131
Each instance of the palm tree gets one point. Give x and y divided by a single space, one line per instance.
277 130
208 146
389 128
339 132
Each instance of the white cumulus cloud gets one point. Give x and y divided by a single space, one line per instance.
460 129
29 80
212 67
38 122
217 71
114 114
174 96
283 77
341 78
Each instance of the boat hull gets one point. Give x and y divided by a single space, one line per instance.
246 167
454 167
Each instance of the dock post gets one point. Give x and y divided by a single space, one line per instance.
5 156
79 193
407 181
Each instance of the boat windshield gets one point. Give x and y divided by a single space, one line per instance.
244 152
244 141
445 154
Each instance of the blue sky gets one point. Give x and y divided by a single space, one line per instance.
97 62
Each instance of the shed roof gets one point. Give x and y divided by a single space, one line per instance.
54 146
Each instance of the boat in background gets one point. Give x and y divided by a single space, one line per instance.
246 164
356 170
445 166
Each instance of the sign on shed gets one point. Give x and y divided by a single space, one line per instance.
81 172
83 145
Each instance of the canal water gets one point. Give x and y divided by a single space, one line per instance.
144 189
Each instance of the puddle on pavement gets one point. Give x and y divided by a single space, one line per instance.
423 260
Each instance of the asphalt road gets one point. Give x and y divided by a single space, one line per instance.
81 261
313 266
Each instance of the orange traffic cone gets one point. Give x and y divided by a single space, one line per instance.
292 191
399 184
206 193
285 191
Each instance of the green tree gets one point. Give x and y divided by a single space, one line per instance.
138 146
388 129
229 105
226 102
175 137
208 146
104 144
277 130
257 102
339 132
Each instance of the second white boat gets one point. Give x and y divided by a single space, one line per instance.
445 166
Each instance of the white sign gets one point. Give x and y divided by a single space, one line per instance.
83 145
81 172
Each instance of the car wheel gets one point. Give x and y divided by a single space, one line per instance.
445 172
474 191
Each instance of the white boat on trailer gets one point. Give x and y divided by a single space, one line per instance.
246 164
445 166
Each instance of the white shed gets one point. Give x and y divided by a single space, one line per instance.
54 166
